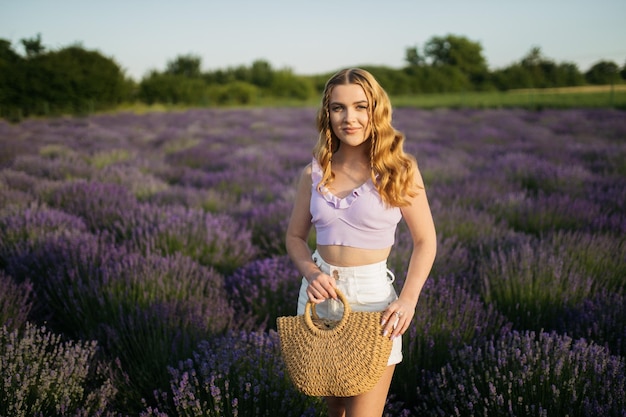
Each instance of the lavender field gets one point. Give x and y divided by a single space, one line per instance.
142 264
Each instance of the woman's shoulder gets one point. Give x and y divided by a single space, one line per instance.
306 174
308 169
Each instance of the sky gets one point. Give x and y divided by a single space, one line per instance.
320 36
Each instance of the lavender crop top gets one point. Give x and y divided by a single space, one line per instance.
361 219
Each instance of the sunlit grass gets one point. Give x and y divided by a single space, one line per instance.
566 97
588 96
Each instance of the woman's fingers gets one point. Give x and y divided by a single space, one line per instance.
321 288
396 319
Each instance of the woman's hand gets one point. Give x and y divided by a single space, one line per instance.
397 317
321 287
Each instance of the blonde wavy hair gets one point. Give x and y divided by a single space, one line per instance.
393 170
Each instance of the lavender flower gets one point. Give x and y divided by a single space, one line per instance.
15 302
10 198
535 283
236 375
447 318
140 184
43 375
266 288
209 200
101 205
65 168
268 224
527 374
23 228
601 318
148 311
18 180
212 240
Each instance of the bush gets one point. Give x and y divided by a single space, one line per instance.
237 375
44 376
268 225
214 240
533 284
147 311
547 213
209 200
594 254
265 288
140 184
601 318
173 89
527 374
15 302
23 228
233 93
102 206
58 168
446 319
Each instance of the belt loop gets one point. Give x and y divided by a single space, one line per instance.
317 259
391 275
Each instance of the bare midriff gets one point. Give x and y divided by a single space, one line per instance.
349 256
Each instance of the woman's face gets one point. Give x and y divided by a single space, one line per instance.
349 114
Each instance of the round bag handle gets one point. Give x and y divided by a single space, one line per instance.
310 313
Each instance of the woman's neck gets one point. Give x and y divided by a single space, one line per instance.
353 156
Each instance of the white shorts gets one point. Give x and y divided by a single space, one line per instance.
367 288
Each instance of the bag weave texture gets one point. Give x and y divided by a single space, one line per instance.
337 358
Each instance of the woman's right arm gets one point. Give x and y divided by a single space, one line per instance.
321 286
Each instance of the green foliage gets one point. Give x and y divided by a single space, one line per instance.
286 84
70 80
172 89
393 81
236 92
186 66
413 57
459 52
536 71
603 72
261 74
33 47
77 81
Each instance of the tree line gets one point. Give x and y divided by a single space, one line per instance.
76 80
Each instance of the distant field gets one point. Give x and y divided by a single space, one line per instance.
571 97
570 90
601 96
567 97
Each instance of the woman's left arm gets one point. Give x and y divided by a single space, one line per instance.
419 220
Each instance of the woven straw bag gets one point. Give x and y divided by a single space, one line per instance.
337 358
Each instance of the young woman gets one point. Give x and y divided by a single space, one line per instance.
358 186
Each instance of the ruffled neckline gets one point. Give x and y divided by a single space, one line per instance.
337 202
